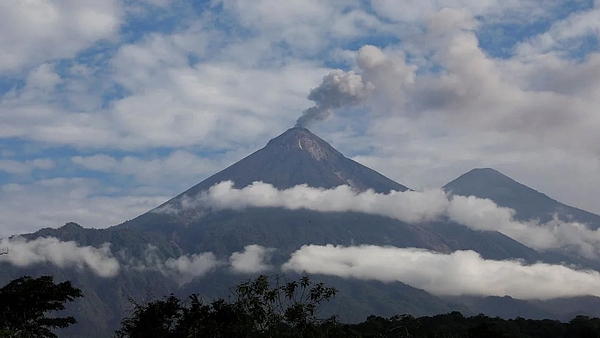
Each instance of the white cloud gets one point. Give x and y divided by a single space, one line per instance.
212 105
306 27
182 269
489 10
465 109
231 76
185 106
26 167
178 167
43 78
476 92
43 30
53 202
564 34
253 259
409 206
187 267
23 253
484 214
458 273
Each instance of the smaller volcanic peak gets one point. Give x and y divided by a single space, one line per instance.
506 192
484 181
300 157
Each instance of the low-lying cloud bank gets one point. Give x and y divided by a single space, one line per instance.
23 252
102 262
409 206
459 273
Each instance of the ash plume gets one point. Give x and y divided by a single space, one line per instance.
338 89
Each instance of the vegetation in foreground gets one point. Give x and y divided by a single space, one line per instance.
26 302
263 307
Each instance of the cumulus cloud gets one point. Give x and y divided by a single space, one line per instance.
474 91
408 206
185 268
23 253
253 259
46 30
458 273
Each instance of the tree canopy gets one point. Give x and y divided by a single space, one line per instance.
273 307
263 307
26 302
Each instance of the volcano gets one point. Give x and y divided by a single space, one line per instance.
295 157
300 157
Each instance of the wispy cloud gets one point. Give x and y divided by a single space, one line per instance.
26 167
185 268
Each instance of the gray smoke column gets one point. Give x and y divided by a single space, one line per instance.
338 89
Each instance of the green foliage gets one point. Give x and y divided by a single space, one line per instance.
26 301
263 307
455 325
273 303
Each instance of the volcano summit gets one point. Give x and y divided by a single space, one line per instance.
300 157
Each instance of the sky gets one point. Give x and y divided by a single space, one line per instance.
109 108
